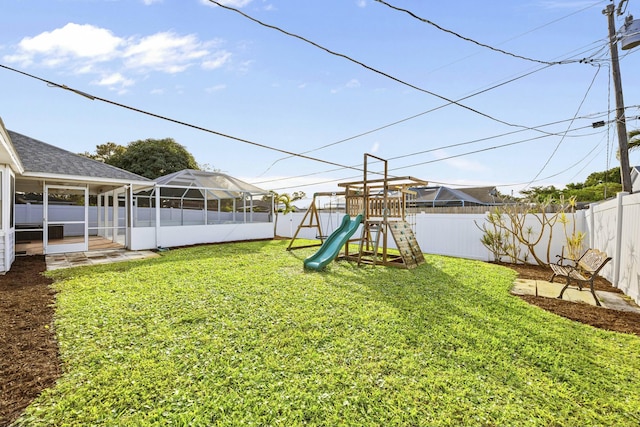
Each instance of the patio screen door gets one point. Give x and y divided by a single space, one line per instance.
66 218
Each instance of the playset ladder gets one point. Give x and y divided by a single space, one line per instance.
407 244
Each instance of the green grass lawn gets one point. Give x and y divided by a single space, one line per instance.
241 335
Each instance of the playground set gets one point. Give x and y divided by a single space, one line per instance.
378 208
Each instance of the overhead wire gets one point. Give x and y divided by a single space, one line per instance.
524 33
435 160
563 137
557 173
589 162
586 60
409 118
451 157
439 27
179 122
591 116
368 67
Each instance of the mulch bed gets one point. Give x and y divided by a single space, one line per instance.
29 353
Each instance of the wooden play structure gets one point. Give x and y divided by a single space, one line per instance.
383 202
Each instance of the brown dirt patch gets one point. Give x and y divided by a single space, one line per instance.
29 353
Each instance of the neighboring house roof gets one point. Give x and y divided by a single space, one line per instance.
635 180
486 195
41 158
445 196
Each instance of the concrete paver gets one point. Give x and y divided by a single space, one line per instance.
75 259
543 288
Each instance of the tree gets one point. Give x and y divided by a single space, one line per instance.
597 186
610 176
634 139
508 230
284 203
152 158
104 152
542 194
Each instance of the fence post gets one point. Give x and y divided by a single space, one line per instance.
618 241
591 227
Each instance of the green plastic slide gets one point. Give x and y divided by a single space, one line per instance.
331 247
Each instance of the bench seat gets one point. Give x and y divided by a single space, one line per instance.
584 270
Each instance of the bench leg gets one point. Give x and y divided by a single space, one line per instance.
565 287
593 292
552 277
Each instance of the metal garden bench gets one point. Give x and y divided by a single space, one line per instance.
584 270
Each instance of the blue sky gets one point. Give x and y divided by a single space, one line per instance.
524 117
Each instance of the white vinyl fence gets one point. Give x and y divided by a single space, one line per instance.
614 227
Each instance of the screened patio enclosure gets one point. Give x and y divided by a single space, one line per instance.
192 207
57 217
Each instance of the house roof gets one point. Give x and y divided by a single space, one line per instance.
445 195
487 195
41 158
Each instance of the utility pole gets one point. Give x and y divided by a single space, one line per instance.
623 144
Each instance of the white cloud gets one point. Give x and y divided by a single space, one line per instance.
375 147
71 42
219 59
216 88
351 84
86 49
150 2
115 79
166 52
361 3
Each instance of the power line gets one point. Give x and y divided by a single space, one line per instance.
586 60
525 33
158 116
481 150
455 156
441 148
412 117
591 116
427 21
576 114
557 173
370 68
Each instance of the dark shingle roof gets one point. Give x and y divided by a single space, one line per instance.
40 157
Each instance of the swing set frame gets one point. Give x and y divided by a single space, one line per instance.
311 219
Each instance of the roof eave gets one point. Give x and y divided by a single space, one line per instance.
85 179
7 145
